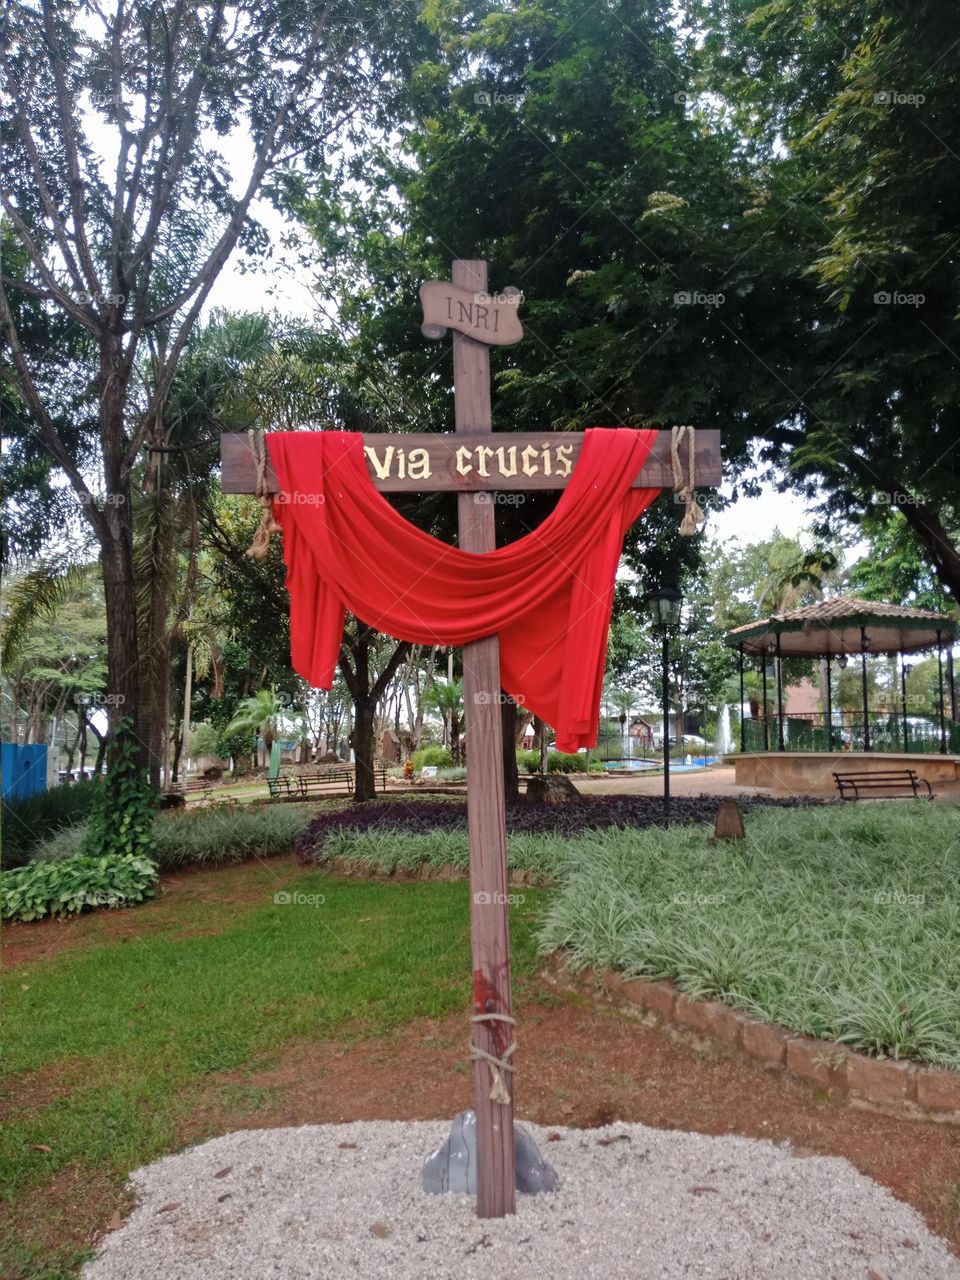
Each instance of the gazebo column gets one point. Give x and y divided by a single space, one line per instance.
766 722
829 737
951 679
779 675
743 718
943 697
864 646
903 702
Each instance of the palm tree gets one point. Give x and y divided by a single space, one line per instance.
446 698
624 701
259 714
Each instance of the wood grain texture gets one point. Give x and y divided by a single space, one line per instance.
486 822
403 466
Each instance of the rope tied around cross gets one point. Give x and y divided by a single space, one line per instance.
498 1085
268 525
693 514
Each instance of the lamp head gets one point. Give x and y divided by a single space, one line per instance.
664 607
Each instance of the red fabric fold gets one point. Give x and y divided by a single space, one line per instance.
548 596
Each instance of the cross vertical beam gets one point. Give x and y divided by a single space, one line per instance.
486 819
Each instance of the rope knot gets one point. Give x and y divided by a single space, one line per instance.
693 514
498 1085
268 525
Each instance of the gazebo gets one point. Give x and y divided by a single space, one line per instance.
839 630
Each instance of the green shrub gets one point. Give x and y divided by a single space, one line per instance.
557 762
61 888
122 819
214 836
457 774
434 755
26 823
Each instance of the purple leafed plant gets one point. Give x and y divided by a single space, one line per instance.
534 819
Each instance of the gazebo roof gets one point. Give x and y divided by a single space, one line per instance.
834 627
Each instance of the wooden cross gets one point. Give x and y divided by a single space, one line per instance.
476 460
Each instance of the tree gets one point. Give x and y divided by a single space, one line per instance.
847 119
126 249
446 698
263 714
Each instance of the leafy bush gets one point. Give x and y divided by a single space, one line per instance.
457 774
557 762
26 823
214 836
61 888
434 755
122 819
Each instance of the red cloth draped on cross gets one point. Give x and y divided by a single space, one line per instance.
548 596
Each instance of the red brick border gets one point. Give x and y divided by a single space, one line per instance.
874 1084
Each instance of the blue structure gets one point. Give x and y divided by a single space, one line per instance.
23 770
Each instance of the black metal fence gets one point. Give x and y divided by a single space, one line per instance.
882 731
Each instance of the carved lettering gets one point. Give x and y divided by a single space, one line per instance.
528 460
418 465
547 460
483 456
382 469
466 312
463 464
503 466
564 459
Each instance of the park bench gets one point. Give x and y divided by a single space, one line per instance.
344 776
318 783
850 785
192 784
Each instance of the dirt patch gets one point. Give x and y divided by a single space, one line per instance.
231 889
585 1067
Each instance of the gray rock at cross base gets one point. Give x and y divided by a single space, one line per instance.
453 1166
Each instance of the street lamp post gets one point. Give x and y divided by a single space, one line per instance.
664 607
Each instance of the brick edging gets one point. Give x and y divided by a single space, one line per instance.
887 1085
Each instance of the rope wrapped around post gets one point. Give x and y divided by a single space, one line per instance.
268 526
498 1089
684 485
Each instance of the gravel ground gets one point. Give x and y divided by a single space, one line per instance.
345 1201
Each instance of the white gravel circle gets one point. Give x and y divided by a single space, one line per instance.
337 1201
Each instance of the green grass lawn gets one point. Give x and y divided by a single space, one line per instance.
131 1027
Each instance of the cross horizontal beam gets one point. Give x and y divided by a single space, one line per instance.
419 463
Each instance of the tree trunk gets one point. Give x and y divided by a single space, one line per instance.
183 751
123 653
508 724
363 749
